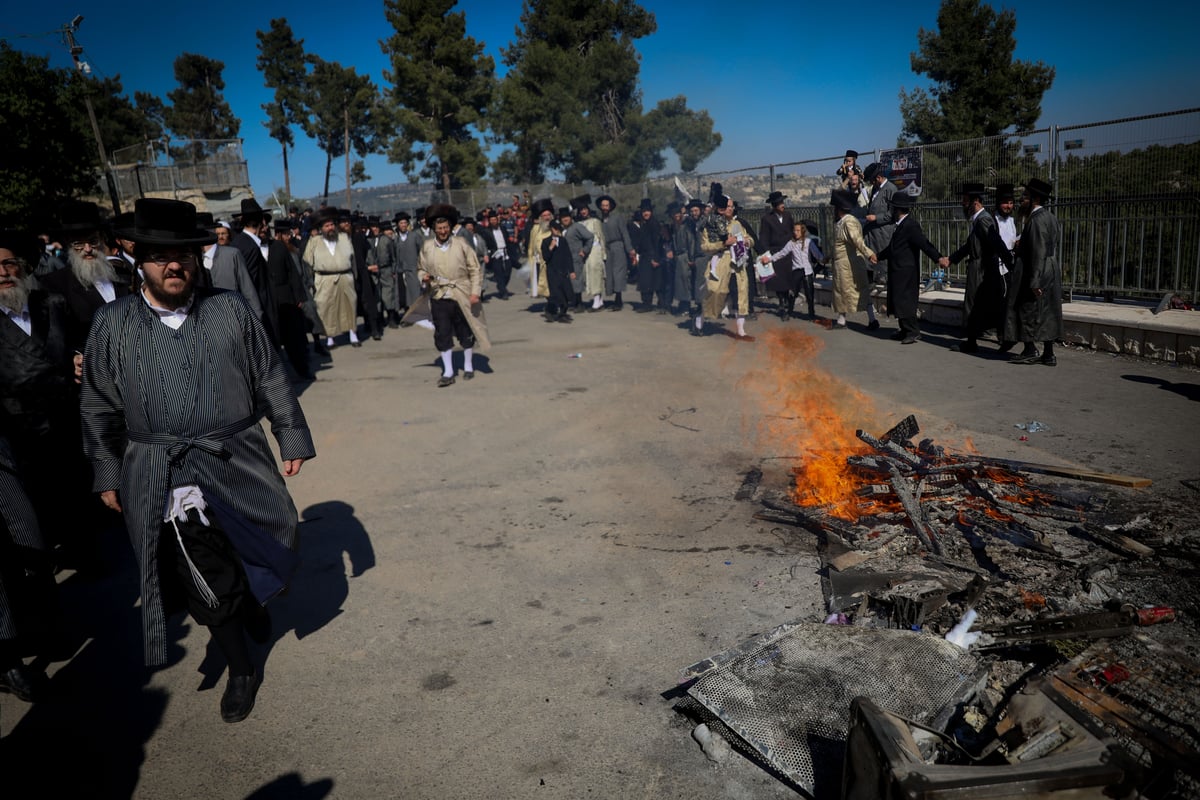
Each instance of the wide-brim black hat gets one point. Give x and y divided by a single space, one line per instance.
873 169
612 203
23 245
79 216
842 199
1005 191
327 215
402 215
541 206
583 201
851 154
1039 186
645 205
903 200
251 209
674 208
695 202
441 211
973 188
205 219
165 222
775 198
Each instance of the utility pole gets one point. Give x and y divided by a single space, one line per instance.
76 50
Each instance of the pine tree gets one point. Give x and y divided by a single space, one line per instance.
570 100
979 90
441 86
282 63
198 110
345 115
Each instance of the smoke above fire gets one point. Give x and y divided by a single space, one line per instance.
811 415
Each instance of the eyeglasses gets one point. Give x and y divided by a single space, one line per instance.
166 259
79 246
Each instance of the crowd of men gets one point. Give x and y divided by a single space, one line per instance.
141 352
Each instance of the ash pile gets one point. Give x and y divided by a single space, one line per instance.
991 630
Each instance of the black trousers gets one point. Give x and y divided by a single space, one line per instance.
291 331
501 271
450 324
664 283
562 294
216 560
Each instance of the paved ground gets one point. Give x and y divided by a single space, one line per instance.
502 578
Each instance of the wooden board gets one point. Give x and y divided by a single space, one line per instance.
1077 473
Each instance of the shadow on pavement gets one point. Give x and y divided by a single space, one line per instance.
1189 390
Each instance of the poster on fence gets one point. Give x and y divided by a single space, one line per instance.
904 168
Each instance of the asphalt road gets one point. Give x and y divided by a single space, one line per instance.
503 578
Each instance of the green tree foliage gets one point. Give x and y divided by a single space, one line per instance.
346 115
570 101
441 86
121 122
978 89
282 63
198 110
47 151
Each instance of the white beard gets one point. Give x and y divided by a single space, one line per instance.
16 297
89 272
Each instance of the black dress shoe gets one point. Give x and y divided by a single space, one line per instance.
564 318
616 307
22 682
1049 361
377 336
356 344
238 700
444 381
916 337
874 325
1025 358
468 374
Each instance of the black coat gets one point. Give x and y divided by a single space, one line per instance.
81 302
773 235
904 266
256 265
285 280
645 236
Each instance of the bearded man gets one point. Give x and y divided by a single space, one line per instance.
39 408
330 256
175 381
90 280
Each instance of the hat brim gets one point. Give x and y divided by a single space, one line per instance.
166 238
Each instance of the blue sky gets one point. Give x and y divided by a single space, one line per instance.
783 82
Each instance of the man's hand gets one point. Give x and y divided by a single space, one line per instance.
474 300
572 276
944 262
78 360
869 217
874 259
372 268
111 500
291 467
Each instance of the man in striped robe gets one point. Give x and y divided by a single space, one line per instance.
175 381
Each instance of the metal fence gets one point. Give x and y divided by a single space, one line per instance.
1126 194
179 166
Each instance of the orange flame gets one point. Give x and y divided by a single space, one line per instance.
808 412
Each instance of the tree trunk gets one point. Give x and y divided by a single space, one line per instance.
346 119
287 180
328 166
